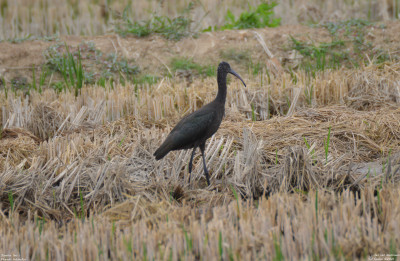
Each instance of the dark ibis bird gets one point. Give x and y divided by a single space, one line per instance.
194 129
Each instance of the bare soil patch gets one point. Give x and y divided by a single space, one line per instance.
153 54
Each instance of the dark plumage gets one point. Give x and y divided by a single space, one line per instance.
194 129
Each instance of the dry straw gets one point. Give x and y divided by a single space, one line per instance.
22 18
342 227
64 158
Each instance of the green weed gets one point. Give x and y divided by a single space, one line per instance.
58 86
348 47
321 56
147 79
102 82
74 66
34 79
30 37
121 66
188 240
278 250
308 147
20 83
293 76
69 65
260 17
173 29
237 199
253 113
40 221
352 31
11 200
379 201
42 78
326 144
239 56
315 256
3 84
231 256
242 57
20 39
316 204
82 205
308 93
144 251
187 64
393 248
220 246
256 68
3 7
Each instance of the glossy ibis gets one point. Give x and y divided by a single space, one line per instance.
194 129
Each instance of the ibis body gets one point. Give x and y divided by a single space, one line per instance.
193 130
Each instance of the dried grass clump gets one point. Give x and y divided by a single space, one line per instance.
44 121
374 88
360 136
283 161
114 163
296 172
16 148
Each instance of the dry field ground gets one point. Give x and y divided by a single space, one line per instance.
305 166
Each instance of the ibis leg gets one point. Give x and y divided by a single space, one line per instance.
202 147
191 163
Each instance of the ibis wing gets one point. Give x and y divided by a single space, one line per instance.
190 129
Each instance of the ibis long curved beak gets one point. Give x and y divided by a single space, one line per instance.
237 75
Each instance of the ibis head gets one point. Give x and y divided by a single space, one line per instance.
225 68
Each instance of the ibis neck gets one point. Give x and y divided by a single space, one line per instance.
221 79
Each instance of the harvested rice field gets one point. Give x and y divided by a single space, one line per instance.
305 165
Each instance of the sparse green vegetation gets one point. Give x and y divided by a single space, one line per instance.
242 57
146 79
260 17
20 83
173 29
256 68
321 56
81 65
348 47
20 39
30 37
121 66
239 56
187 64
69 65
58 86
